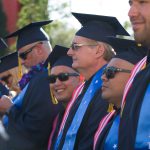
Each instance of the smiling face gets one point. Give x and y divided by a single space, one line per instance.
139 15
112 89
63 90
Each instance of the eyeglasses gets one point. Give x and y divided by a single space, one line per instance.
23 55
111 71
61 77
76 46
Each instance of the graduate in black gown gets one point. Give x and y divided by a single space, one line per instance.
134 128
90 55
5 64
115 77
3 89
63 81
30 116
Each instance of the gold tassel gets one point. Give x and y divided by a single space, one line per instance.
19 69
48 69
54 100
144 66
110 107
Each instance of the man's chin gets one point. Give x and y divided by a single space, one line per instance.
139 38
74 66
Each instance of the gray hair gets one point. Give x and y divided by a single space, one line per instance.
47 46
109 51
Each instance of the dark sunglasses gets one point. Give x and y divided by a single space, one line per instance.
111 71
24 54
76 46
61 77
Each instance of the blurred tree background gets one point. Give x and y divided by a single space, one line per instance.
36 10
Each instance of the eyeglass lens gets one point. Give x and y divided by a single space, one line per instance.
24 54
61 77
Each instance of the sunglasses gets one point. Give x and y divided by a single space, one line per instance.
111 71
24 54
61 77
76 46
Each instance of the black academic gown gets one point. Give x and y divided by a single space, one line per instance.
130 116
30 126
102 138
96 110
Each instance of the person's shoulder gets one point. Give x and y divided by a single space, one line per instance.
39 81
42 76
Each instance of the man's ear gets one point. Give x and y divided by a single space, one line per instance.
39 49
100 50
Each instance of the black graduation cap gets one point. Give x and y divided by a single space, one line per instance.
97 27
8 62
127 50
59 57
30 33
3 45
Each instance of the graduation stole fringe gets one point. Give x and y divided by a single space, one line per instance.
101 126
139 66
54 100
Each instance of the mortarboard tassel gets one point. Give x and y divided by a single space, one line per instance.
54 100
48 69
19 69
110 108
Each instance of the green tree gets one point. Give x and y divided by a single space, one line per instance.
37 10
32 10
61 34
128 27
